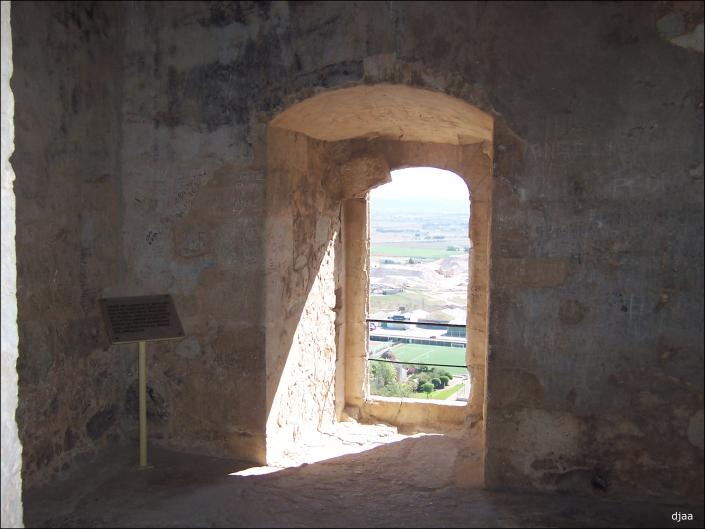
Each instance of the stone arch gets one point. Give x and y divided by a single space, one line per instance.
323 155
387 111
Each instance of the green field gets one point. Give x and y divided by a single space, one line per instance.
428 354
409 300
443 394
408 251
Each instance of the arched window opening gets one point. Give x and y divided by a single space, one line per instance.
418 287
324 155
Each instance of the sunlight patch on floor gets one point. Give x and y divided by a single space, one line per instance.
257 471
336 440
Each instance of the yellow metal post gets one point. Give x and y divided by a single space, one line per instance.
143 404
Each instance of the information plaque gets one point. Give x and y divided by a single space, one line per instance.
141 319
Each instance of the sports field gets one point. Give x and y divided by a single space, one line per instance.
428 354
409 251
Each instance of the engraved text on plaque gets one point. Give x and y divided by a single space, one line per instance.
141 318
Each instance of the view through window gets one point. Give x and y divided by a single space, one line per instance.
419 259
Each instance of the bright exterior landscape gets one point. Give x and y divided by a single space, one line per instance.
419 256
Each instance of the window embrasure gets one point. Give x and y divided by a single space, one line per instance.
418 287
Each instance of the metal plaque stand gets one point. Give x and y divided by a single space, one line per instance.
143 403
141 319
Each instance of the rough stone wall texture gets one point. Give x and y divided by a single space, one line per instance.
595 333
11 509
193 220
596 340
596 337
66 83
303 256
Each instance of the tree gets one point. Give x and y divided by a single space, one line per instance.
436 383
389 355
422 379
397 389
427 388
382 374
444 380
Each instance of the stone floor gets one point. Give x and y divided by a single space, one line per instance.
354 476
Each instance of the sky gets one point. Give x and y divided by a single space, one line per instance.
419 185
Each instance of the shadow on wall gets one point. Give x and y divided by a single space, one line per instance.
303 271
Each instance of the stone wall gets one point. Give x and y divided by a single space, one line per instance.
598 180
66 83
11 448
595 363
193 221
594 380
303 297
